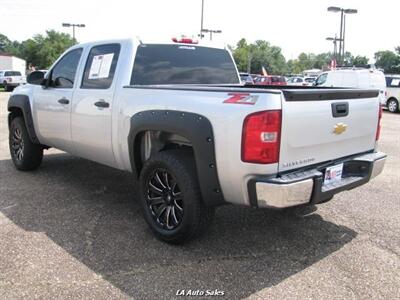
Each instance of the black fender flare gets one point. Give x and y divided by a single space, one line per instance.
22 102
195 128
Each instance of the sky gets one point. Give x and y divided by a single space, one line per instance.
295 26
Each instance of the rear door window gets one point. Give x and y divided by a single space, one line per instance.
100 66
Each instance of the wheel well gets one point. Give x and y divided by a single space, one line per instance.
14 112
393 98
150 142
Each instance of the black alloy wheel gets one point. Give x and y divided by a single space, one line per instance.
164 199
17 144
170 197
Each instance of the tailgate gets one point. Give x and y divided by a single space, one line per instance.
16 79
323 125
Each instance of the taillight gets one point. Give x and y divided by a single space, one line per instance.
9 79
378 129
261 137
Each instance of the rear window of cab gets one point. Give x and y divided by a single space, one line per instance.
157 64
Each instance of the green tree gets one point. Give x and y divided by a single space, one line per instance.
252 57
322 60
8 46
4 43
43 50
359 60
241 54
388 61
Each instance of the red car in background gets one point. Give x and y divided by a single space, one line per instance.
269 80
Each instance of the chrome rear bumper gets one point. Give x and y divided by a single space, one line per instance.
307 187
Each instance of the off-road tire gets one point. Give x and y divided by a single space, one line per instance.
25 155
196 216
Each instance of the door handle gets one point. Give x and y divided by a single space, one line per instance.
102 104
340 109
63 101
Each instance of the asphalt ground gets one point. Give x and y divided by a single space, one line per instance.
73 230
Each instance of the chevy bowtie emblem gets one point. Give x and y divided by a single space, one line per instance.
339 128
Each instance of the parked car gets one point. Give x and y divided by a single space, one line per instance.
11 79
356 78
175 115
301 81
269 80
393 92
246 78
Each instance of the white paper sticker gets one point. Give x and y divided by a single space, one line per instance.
101 66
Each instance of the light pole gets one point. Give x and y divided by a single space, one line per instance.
201 35
73 27
202 30
343 13
211 31
334 40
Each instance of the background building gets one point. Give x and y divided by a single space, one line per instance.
10 62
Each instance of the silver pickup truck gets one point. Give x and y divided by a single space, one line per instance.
176 116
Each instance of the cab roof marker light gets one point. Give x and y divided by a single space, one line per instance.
184 41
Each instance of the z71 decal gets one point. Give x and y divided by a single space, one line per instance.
241 98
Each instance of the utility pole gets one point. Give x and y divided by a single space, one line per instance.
73 27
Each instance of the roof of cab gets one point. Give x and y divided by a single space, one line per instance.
137 40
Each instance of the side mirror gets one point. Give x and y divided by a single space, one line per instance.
36 77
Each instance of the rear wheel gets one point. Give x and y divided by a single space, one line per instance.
393 105
7 88
25 155
171 199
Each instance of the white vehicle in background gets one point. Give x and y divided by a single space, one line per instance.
10 79
393 92
355 78
301 81
311 73
246 78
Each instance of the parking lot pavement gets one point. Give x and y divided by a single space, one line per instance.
72 229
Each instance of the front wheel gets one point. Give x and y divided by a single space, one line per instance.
393 105
25 155
171 199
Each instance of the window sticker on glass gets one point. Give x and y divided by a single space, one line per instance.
101 66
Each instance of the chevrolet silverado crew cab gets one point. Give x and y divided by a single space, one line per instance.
175 115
